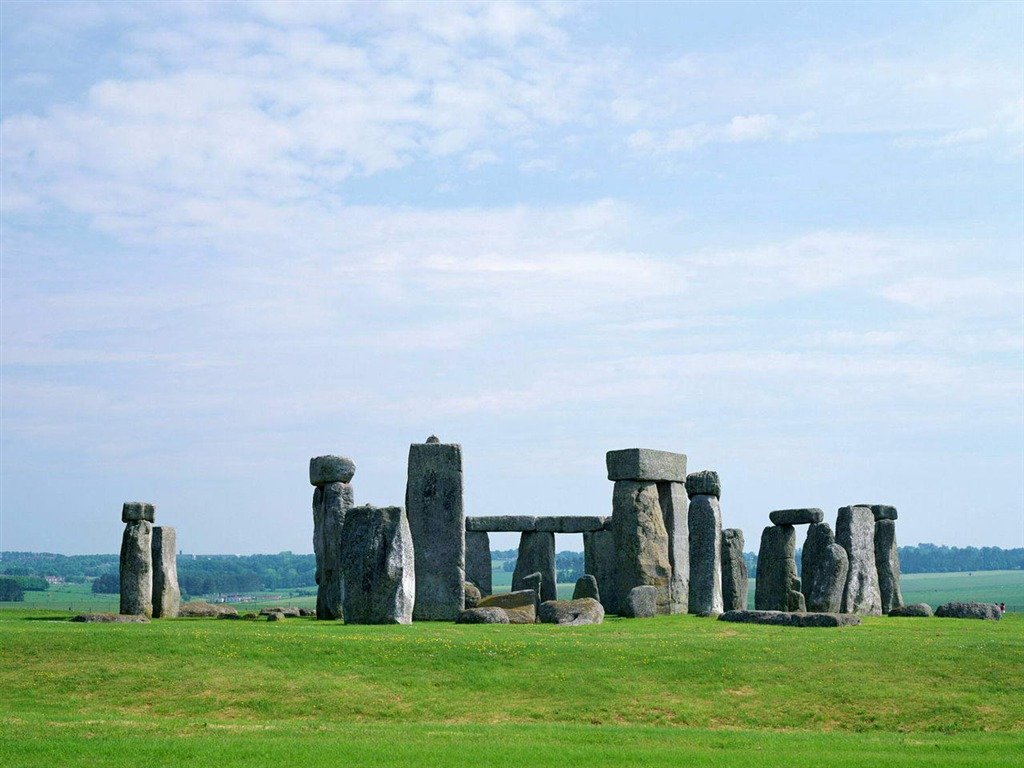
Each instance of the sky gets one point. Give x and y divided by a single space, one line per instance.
786 240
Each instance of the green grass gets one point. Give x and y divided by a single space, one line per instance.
670 690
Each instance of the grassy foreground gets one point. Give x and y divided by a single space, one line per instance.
671 690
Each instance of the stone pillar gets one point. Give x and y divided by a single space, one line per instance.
887 557
137 558
478 560
777 587
855 532
536 555
735 584
332 499
433 503
705 522
378 565
824 567
166 594
674 511
599 562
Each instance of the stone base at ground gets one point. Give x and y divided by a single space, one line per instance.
781 618
109 618
641 602
493 615
917 609
988 611
570 613
520 606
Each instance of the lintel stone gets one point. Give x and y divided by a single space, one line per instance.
502 523
797 516
132 511
570 524
645 464
331 469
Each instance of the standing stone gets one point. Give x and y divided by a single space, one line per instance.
332 498
378 565
599 561
776 570
887 562
641 602
735 584
705 522
855 532
478 560
166 594
641 542
433 501
674 503
536 555
137 568
586 586
824 566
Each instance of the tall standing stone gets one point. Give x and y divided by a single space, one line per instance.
332 499
433 503
599 562
166 594
776 579
887 558
379 567
735 575
478 560
705 523
824 567
675 512
641 542
855 532
536 555
137 559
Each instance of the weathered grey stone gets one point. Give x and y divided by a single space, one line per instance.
776 569
586 586
970 610
922 610
704 483
274 616
796 516
502 523
472 595
137 569
520 606
735 575
606 523
785 619
133 511
599 561
887 563
200 609
795 600
882 511
824 568
644 464
570 524
288 611
571 613
492 615
166 593
378 566
641 542
536 555
855 532
331 469
331 503
675 513
641 602
109 618
433 498
705 519
478 560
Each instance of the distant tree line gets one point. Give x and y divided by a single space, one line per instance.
10 590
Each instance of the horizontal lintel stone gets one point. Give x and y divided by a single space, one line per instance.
502 523
570 524
645 464
331 469
797 516
132 511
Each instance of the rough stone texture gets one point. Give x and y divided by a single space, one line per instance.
377 560
922 610
972 610
641 542
478 560
641 602
502 523
571 613
331 503
599 561
109 618
536 555
289 611
275 616
520 606
824 568
795 600
782 618
166 594
887 563
855 532
331 469
735 575
882 511
586 586
704 483
645 464
705 519
200 609
776 569
472 595
137 569
491 615
570 524
133 511
434 507
675 513
796 516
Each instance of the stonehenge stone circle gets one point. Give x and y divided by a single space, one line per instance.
735 583
705 524
776 569
586 586
571 613
855 532
520 607
434 507
825 566
478 560
641 542
641 602
136 567
599 561
887 563
536 555
166 593
796 516
378 566
332 498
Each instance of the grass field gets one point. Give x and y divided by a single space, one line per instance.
664 691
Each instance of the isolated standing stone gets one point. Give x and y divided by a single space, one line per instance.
599 562
586 586
434 506
855 532
166 594
137 569
887 563
536 555
705 518
336 500
674 511
641 542
824 568
379 568
641 602
776 569
735 584
478 560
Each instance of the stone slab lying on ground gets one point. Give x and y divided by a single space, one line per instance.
782 618
109 618
645 464
492 615
917 609
502 523
570 523
704 483
200 609
970 610
571 613
803 516
290 611
331 469
520 606
641 602
132 511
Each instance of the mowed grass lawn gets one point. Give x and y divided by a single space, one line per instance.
675 690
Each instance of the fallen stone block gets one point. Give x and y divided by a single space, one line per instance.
109 618
641 602
922 610
200 609
491 615
571 613
521 606
971 610
785 619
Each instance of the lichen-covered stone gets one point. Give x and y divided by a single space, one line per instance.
137 569
675 512
786 619
379 572
887 563
571 613
200 609
824 570
274 616
855 532
521 606
478 561
704 483
735 583
969 610
599 561
492 615
288 611
166 593
502 523
536 555
920 610
641 542
705 519
586 586
796 516
331 469
776 569
646 465
109 618
331 502
473 595
641 602
133 511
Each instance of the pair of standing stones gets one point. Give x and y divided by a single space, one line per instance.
148 564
